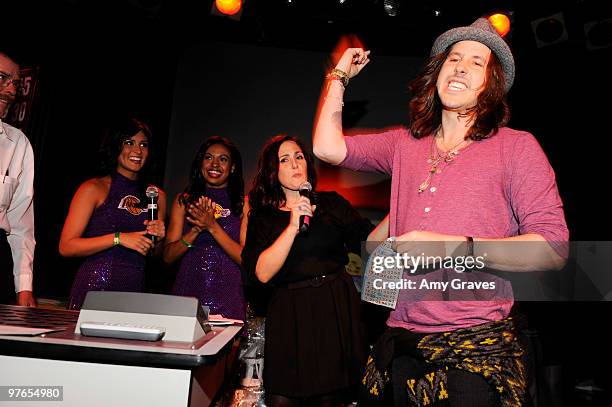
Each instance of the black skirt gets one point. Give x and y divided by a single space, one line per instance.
314 338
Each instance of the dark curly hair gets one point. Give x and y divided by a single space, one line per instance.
490 112
112 145
235 182
267 191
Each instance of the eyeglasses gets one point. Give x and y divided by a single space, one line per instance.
6 79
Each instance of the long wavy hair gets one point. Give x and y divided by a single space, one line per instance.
489 114
267 191
235 182
112 145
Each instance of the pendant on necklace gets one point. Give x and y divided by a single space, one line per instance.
424 185
434 168
434 162
450 156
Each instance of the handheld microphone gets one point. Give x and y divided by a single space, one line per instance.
152 195
305 189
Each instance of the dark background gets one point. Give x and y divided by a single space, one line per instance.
191 74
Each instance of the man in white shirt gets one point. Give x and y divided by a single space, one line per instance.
16 193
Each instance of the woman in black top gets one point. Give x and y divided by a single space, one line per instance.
314 348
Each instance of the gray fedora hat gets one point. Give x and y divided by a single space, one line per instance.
481 31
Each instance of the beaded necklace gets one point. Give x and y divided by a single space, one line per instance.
435 159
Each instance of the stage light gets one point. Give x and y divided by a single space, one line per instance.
228 7
501 22
598 34
231 9
549 30
391 7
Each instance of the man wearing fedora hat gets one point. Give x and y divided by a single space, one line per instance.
462 179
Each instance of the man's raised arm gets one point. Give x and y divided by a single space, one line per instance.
328 138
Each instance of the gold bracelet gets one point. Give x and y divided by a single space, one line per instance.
342 80
116 240
340 73
337 74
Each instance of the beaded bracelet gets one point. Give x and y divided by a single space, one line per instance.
116 240
339 75
186 243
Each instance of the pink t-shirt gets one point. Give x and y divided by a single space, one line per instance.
498 187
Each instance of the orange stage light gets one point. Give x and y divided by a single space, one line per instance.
229 7
501 22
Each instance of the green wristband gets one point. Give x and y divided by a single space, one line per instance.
116 240
186 243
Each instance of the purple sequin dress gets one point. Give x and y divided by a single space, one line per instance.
117 268
207 272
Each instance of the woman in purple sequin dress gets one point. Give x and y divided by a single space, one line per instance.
107 221
208 228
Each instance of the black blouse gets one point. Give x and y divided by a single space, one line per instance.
335 227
